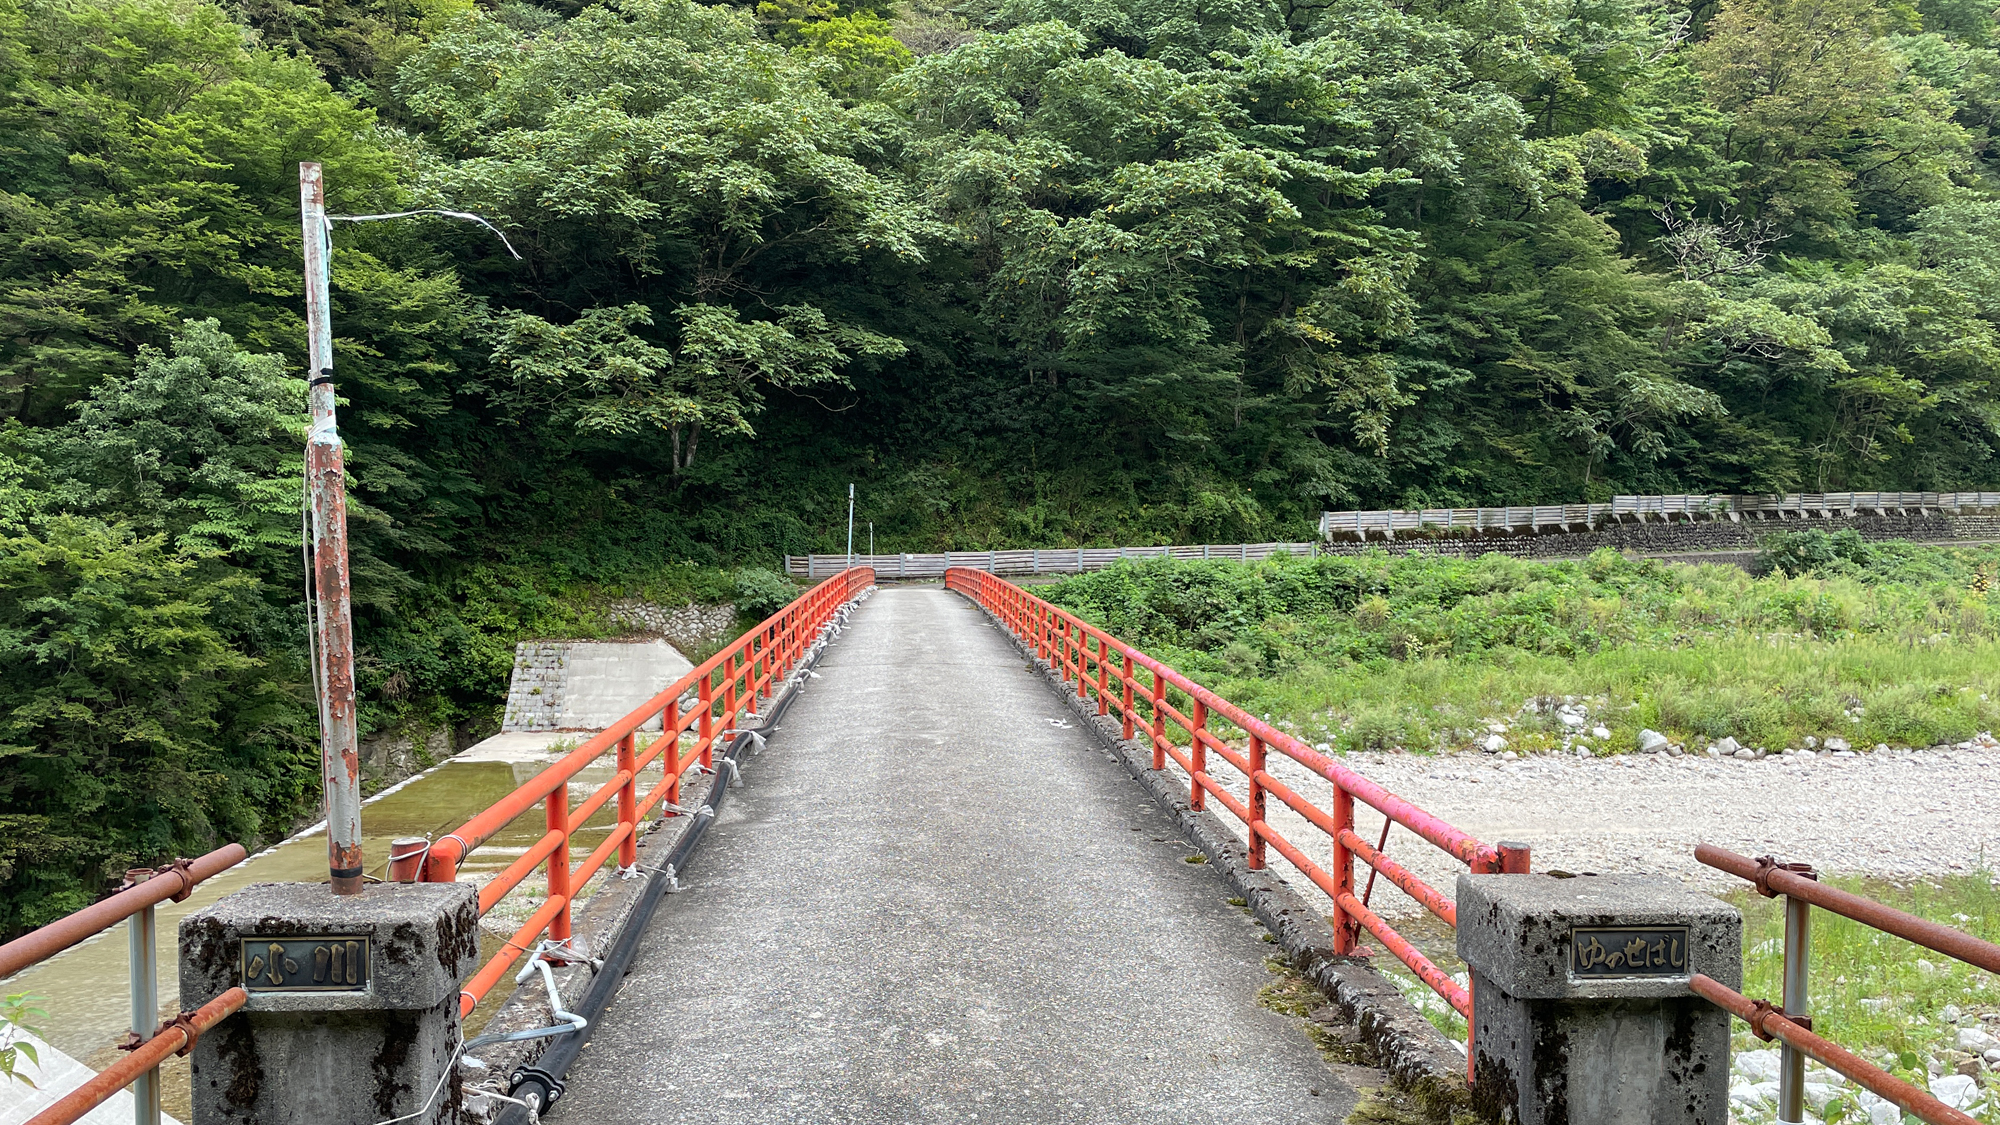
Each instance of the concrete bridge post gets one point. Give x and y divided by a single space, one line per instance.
353 1016
1581 1008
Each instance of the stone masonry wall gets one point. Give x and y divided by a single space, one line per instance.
535 695
1714 537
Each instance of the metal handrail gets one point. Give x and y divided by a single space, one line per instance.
176 1038
726 687
1770 1023
1718 506
172 882
1772 877
133 905
1109 672
1790 1022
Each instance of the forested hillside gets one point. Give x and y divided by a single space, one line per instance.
1030 272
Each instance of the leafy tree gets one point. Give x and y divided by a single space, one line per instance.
130 727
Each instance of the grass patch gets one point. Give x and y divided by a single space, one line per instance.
1894 1003
1424 653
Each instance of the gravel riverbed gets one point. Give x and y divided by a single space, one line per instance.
1893 815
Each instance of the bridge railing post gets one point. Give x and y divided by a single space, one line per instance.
628 800
1256 804
670 760
1159 720
1346 929
1103 677
1125 681
556 808
705 692
730 667
1197 757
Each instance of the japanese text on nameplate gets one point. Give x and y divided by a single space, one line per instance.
306 964
1628 951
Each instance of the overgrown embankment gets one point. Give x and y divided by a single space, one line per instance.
1884 643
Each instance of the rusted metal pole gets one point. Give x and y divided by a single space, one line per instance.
326 485
144 965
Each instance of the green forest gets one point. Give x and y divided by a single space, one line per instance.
1027 272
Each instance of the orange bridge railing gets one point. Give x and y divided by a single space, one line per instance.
1148 698
723 689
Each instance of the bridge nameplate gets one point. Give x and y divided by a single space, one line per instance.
319 963
1596 952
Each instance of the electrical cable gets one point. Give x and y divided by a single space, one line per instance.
466 215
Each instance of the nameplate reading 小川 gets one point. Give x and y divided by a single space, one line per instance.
335 963
1628 951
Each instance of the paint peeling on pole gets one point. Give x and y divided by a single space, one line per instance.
340 758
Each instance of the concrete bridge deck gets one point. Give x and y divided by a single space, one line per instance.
937 899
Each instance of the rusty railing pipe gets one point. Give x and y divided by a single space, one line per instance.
174 1038
169 883
1774 879
1769 1023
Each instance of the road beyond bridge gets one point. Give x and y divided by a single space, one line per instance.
937 899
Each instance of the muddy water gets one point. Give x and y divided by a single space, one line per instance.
84 988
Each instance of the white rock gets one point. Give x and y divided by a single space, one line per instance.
1600 732
1761 1095
1881 748
1651 741
1976 1041
1493 744
1572 719
1728 746
1497 728
1812 743
1880 1111
1714 753
1744 753
1955 1090
1952 1011
1993 1058
1509 756
1837 744
1584 752
1818 1094
1757 1066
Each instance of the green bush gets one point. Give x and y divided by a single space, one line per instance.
1898 645
761 593
1805 552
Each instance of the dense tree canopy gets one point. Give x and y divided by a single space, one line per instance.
1029 271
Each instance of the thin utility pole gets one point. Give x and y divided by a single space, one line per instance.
326 488
871 539
850 525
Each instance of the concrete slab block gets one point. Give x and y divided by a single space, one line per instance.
1581 1013
353 1010
608 679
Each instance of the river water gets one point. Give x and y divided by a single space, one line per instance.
84 989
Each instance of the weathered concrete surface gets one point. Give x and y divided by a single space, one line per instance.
1558 1046
346 1057
587 685
938 900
